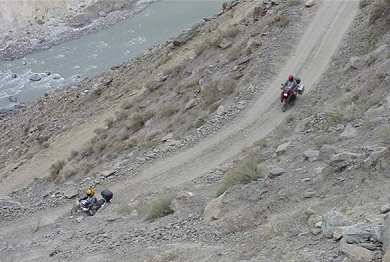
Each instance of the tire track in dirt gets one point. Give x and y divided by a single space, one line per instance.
310 60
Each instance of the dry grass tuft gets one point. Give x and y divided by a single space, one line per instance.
160 206
378 10
55 170
245 172
293 2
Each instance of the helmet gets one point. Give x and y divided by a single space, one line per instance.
290 78
90 192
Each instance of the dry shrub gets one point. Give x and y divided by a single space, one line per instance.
226 86
384 135
282 20
164 258
100 146
293 2
364 3
231 31
160 206
245 172
278 20
99 91
70 170
138 120
352 112
87 150
326 139
55 169
378 10
127 105
109 122
200 47
124 209
168 110
37 225
368 124
210 94
335 117
117 147
42 139
122 134
121 115
234 52
73 154
214 38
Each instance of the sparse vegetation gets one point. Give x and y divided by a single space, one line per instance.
210 94
168 111
281 20
109 122
124 209
378 10
55 169
231 31
160 206
245 172
293 2
384 135
37 225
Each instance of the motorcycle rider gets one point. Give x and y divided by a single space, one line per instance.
90 199
291 83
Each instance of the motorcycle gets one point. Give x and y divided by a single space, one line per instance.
289 94
89 206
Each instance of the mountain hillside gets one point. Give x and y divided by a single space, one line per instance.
203 163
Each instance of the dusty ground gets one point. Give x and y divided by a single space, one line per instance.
334 157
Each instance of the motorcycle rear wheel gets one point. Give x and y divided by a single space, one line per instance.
284 107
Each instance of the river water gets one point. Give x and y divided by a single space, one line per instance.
95 53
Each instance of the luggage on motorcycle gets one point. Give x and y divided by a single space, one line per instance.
107 195
301 89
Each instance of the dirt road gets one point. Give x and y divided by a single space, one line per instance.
309 61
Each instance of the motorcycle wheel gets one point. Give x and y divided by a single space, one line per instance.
284 107
75 210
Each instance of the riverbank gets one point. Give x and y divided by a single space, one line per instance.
42 32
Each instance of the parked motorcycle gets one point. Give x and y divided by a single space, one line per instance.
89 206
289 94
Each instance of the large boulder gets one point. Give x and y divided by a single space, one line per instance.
79 20
187 204
276 171
311 155
35 77
7 202
361 233
310 3
71 191
386 233
343 160
282 148
213 210
349 131
331 220
356 253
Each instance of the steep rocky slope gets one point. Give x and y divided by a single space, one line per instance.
315 189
